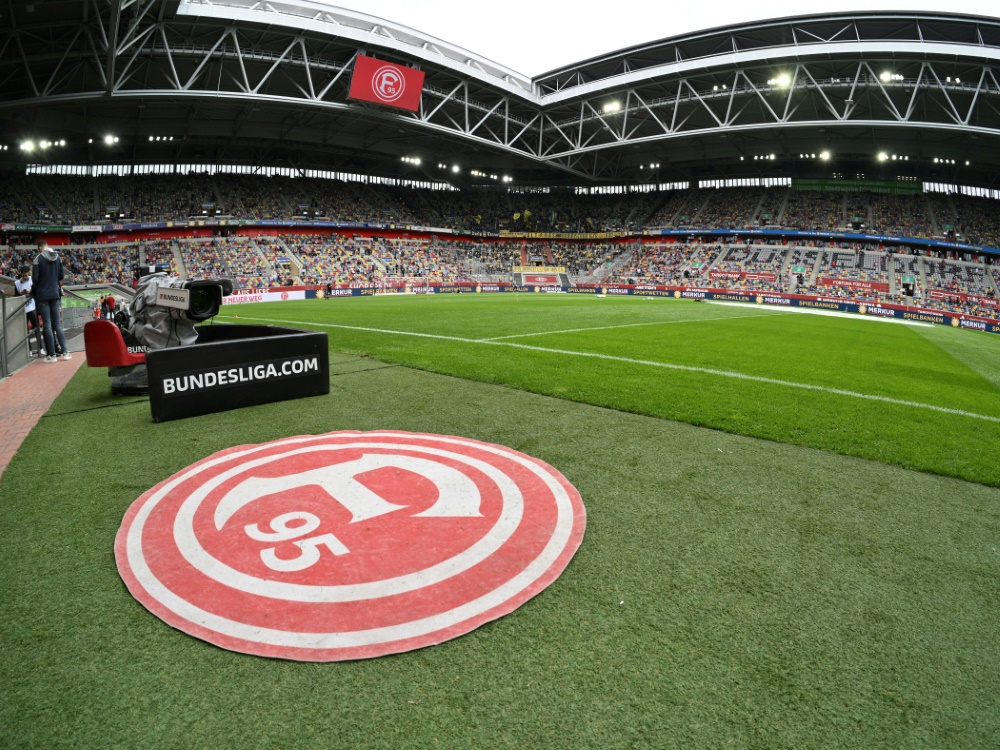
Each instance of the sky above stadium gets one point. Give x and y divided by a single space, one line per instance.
535 36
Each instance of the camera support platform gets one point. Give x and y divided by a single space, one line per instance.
229 367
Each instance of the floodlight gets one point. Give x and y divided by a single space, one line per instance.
28 146
883 156
825 155
109 140
612 107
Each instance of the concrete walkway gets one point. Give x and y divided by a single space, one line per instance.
26 395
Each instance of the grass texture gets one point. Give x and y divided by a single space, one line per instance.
730 591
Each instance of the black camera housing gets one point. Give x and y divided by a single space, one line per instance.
206 297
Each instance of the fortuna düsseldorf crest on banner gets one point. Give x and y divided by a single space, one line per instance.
386 83
348 545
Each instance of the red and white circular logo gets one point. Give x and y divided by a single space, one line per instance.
348 545
284 295
388 83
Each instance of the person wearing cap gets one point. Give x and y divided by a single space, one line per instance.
46 278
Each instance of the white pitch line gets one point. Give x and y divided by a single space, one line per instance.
650 363
832 314
627 325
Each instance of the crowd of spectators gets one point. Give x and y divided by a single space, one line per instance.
813 211
676 209
13 209
901 216
159 253
729 209
95 264
492 259
581 258
803 260
410 261
225 257
311 257
958 277
857 210
752 258
78 200
62 200
840 270
845 271
335 259
653 263
856 265
976 220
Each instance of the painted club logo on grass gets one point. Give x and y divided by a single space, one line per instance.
348 545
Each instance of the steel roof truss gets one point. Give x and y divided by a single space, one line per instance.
450 96
562 133
485 117
617 135
789 111
850 105
52 85
330 84
27 67
527 126
975 96
137 31
170 59
642 103
701 101
951 110
817 88
95 52
129 66
760 95
311 93
274 66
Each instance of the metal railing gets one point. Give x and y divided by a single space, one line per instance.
13 334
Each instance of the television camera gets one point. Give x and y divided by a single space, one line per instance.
162 314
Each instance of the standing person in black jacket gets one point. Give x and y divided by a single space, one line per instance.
46 279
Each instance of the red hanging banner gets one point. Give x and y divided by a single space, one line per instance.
386 83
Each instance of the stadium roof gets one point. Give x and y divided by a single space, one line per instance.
227 82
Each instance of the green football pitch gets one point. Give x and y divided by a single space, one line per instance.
793 538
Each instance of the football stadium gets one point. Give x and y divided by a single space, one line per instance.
401 400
